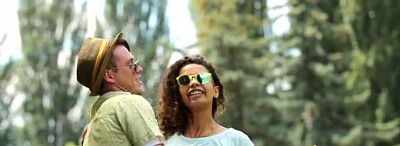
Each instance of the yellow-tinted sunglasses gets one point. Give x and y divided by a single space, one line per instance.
185 79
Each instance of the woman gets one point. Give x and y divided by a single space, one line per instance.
191 94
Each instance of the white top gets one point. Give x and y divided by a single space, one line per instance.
229 137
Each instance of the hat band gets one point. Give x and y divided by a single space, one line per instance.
98 60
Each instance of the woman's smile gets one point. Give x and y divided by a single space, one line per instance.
193 93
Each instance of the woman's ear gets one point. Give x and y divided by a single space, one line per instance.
216 91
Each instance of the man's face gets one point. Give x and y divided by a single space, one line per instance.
127 72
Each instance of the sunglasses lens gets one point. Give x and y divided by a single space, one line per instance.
204 78
184 80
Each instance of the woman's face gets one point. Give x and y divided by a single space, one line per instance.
196 87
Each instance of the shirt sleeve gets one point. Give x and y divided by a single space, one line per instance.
138 122
243 139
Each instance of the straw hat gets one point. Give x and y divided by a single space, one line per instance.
93 59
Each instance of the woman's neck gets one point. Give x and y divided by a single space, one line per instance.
202 124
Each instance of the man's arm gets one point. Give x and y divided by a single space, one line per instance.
84 133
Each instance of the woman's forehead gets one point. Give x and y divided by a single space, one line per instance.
192 69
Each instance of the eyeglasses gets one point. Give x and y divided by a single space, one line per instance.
133 66
185 79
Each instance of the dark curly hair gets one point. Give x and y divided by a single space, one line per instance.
173 114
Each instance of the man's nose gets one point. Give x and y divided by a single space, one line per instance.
139 69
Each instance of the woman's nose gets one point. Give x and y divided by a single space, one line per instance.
194 82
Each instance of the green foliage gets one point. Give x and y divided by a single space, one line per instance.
54 106
373 65
336 92
45 107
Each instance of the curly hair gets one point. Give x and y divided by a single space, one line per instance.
173 114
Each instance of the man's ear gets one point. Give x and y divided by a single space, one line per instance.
216 91
109 76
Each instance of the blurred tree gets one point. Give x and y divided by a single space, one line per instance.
331 80
6 113
51 32
317 74
7 96
375 76
338 78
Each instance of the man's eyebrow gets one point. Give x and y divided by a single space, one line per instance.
131 60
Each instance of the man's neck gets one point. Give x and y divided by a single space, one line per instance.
109 88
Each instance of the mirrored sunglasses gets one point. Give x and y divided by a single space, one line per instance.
185 79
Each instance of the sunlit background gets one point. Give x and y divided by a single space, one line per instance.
296 72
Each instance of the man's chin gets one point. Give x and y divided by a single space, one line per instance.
138 92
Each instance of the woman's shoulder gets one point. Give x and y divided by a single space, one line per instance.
228 137
235 133
239 136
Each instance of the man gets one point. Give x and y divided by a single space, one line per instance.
120 116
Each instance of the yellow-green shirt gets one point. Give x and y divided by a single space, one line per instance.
122 119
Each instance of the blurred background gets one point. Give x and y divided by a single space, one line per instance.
296 72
